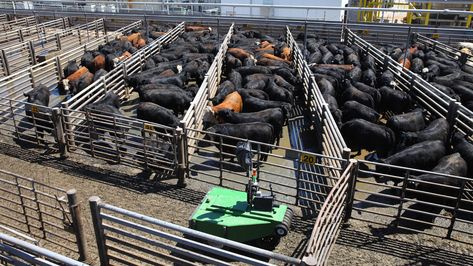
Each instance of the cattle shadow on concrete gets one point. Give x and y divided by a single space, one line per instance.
368 203
417 254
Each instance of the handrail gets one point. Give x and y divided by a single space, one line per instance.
303 7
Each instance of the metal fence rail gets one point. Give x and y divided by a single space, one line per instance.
453 53
330 218
25 54
292 178
14 251
194 115
18 23
333 144
399 33
426 95
45 213
33 32
3 18
417 204
130 238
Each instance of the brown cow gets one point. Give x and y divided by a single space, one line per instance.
239 53
134 37
232 102
99 62
65 83
273 57
406 63
122 57
198 28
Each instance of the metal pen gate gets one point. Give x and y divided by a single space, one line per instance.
129 238
18 23
47 214
33 32
14 251
454 54
25 54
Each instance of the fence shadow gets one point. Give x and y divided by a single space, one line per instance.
417 254
138 183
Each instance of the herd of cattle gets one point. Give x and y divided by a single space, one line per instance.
375 116
259 89
443 72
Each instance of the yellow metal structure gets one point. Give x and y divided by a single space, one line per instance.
424 18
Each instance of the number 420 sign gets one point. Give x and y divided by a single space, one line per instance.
308 158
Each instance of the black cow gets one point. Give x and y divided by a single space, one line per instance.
223 90
273 116
353 94
369 77
352 110
255 85
411 122
465 148
423 155
36 113
257 131
178 101
70 68
244 93
252 104
355 74
277 93
99 73
157 114
394 100
452 164
100 114
370 90
360 134
235 77
387 79
436 130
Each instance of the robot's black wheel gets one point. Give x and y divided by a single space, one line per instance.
281 230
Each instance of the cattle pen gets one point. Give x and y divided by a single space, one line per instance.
316 177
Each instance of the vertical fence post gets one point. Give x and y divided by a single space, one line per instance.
350 191
6 67
220 165
403 195
182 154
94 203
74 209
452 115
455 211
20 35
59 131
58 42
32 52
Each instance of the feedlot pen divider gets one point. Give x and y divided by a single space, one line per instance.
25 54
34 32
18 23
47 215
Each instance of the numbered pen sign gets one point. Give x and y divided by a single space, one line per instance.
435 36
308 158
34 109
149 127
